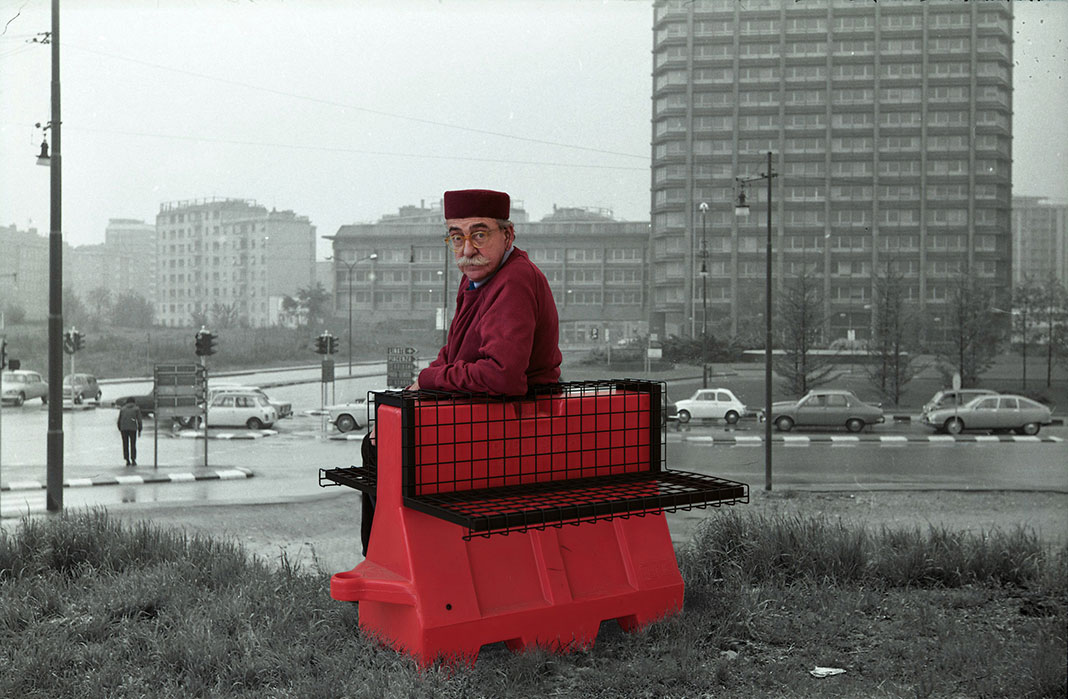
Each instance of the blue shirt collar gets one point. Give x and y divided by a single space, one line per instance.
475 285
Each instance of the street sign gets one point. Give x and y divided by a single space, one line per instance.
180 390
328 370
400 366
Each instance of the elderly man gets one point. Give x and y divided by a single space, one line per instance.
504 336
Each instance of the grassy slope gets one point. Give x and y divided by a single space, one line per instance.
93 607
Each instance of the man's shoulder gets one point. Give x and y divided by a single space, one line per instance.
519 266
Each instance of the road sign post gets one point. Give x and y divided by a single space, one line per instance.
181 392
400 366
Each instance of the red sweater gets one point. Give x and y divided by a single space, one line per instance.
504 336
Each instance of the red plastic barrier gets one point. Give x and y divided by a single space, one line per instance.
426 591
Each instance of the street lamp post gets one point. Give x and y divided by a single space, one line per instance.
742 209
704 297
350 265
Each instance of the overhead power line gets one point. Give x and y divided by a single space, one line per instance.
338 149
333 103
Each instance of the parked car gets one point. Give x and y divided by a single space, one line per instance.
146 402
245 408
826 408
349 416
20 386
710 404
996 412
951 397
79 387
284 410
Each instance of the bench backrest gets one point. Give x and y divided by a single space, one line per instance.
584 430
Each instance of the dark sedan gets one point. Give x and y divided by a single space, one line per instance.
147 402
826 408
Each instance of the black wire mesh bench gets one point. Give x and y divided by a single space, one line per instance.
569 453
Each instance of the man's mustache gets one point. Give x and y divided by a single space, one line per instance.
476 260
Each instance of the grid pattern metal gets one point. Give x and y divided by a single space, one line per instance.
563 454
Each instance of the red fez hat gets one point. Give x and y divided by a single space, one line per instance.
476 203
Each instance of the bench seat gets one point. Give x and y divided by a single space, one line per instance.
519 508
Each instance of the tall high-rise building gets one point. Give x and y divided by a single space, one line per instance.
229 261
23 273
1039 240
136 240
125 261
889 126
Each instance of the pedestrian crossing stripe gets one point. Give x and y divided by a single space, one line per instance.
850 440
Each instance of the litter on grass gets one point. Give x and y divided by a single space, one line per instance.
826 671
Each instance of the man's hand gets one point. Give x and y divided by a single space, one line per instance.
414 386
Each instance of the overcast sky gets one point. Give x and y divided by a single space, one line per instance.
344 111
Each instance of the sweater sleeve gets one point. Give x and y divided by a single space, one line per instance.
507 327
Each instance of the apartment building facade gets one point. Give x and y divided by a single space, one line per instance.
125 261
229 257
889 126
597 268
1039 240
24 273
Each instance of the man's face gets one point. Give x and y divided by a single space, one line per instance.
478 263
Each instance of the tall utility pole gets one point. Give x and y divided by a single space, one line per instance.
54 472
704 298
351 265
742 209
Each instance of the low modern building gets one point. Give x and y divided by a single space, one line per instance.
229 261
398 270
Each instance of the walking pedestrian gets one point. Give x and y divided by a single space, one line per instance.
130 425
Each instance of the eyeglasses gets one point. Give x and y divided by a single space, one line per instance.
456 241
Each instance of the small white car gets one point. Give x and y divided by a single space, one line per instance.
348 416
21 386
711 404
244 408
283 409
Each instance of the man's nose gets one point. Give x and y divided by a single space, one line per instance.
469 248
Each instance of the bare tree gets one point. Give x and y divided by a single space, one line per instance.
100 304
893 345
1027 306
802 322
132 310
315 300
974 334
225 315
1055 315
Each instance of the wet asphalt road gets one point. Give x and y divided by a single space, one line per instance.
285 461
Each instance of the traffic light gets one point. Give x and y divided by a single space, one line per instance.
331 344
68 342
3 354
79 340
321 344
205 343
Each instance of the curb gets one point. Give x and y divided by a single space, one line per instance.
228 474
198 434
